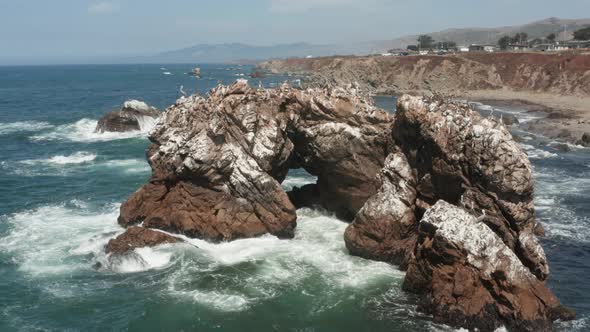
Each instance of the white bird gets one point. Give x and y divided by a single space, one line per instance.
182 92
482 217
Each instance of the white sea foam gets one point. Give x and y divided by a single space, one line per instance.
141 259
57 241
560 219
83 131
28 126
75 163
220 300
146 123
297 181
128 165
53 240
522 115
317 249
79 157
580 324
536 153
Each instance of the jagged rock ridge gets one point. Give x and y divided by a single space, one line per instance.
217 164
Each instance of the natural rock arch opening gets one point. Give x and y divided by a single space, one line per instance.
438 190
217 163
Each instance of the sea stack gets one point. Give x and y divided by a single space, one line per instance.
436 189
217 163
133 115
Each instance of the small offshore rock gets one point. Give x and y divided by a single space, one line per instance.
138 237
129 118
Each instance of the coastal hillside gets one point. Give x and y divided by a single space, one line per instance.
245 53
563 28
563 74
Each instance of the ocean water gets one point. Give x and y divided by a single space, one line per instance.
61 186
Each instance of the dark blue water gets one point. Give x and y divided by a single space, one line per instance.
61 186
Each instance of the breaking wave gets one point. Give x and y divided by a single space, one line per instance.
522 115
266 264
83 131
558 196
128 165
75 158
537 153
29 126
56 239
78 162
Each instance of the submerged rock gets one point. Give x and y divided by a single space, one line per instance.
468 277
130 117
196 72
138 237
217 163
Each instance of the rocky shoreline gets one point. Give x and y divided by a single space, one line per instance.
437 189
559 124
555 84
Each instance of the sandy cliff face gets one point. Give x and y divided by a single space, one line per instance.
547 73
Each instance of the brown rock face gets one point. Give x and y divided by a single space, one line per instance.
485 268
343 140
562 74
138 237
447 151
217 163
385 228
468 277
128 118
439 190
472 162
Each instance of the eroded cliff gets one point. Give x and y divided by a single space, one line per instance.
567 74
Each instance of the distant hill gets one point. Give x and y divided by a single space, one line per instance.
467 36
237 52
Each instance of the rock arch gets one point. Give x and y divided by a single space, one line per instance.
217 163
438 190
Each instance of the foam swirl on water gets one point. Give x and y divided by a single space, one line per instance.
30 126
79 157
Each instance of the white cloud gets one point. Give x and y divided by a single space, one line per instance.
103 7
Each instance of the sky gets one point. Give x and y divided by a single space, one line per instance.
52 29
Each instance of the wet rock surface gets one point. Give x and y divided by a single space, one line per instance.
468 277
129 118
450 152
438 189
446 154
138 237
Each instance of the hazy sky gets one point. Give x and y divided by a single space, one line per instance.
78 28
